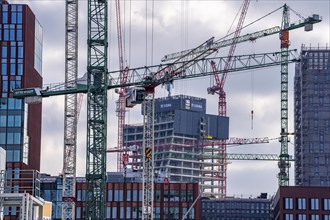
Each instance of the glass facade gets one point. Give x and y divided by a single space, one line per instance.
20 137
12 56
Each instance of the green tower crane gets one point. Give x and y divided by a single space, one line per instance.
97 101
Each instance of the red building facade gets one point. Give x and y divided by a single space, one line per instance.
302 203
124 201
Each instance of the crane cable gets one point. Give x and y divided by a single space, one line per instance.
252 92
253 22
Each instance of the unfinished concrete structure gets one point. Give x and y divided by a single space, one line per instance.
180 128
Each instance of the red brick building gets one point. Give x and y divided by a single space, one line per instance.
302 203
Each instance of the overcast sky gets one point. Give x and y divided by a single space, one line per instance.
179 25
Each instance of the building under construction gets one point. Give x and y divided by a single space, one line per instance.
312 124
181 130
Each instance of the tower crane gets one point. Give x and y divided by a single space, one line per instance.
71 111
121 103
97 108
283 176
222 104
144 77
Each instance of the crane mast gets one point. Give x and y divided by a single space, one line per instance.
284 164
222 103
71 111
121 103
97 108
148 156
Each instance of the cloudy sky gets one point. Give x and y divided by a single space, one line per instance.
178 25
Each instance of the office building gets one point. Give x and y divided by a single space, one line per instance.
311 117
20 66
124 197
302 203
181 132
258 208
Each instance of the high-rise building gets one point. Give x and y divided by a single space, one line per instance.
20 66
181 130
312 117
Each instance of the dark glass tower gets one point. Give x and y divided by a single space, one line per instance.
312 117
20 66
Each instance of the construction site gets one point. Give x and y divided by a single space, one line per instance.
169 157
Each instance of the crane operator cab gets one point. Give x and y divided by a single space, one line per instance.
135 95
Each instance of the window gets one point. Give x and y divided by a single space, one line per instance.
134 212
4 68
301 217
19 36
78 212
3 121
128 212
122 213
20 52
301 203
314 204
79 195
4 15
114 212
4 52
288 216
128 195
326 204
183 196
157 199
13 52
315 217
108 212
326 217
3 138
118 195
134 195
110 195
288 203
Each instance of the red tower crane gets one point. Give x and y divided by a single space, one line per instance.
121 103
222 105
